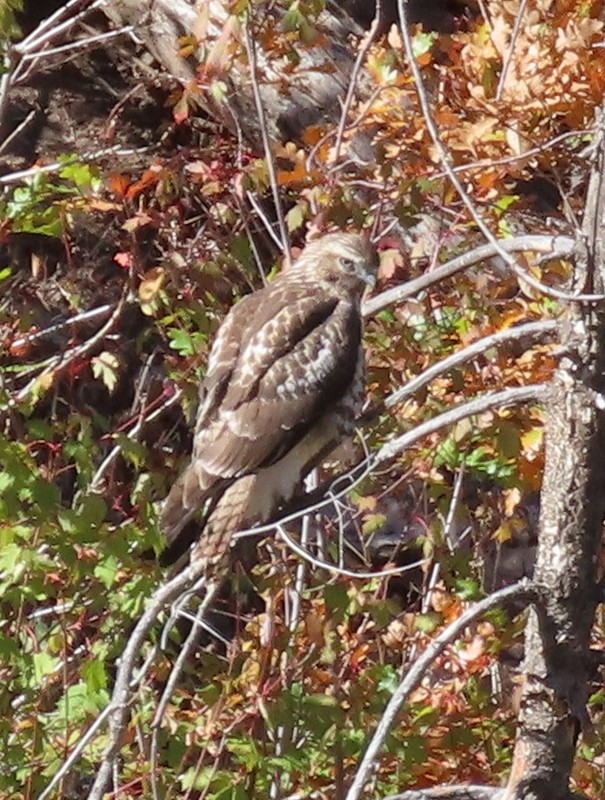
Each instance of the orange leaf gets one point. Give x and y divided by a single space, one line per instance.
118 184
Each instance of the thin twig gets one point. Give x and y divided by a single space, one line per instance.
63 360
85 316
511 49
262 121
56 166
524 590
18 130
79 43
76 753
487 163
264 219
132 434
468 203
42 34
363 51
90 733
342 571
176 608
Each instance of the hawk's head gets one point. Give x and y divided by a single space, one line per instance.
346 260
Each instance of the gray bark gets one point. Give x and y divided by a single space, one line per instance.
295 95
553 708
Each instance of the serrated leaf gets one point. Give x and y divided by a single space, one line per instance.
181 342
106 571
94 675
105 367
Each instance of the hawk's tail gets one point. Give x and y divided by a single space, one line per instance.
229 515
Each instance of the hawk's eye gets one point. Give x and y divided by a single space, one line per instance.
347 263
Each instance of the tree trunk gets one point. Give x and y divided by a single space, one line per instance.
553 707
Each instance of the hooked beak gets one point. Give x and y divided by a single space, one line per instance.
366 274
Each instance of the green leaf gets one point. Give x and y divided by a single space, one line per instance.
423 42
181 341
427 623
106 571
44 664
295 217
94 675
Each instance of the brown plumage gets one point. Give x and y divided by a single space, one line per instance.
285 381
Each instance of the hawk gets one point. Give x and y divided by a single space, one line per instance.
285 382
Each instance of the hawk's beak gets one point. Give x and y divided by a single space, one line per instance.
367 275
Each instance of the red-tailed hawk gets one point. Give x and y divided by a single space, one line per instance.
285 381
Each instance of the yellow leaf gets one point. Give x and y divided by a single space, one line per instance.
151 284
105 367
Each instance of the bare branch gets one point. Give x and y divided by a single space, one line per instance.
336 570
120 699
186 650
526 154
523 590
56 166
491 400
532 330
75 754
84 316
552 246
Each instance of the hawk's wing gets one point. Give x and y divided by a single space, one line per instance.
282 358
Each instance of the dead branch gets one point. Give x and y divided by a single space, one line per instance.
117 709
